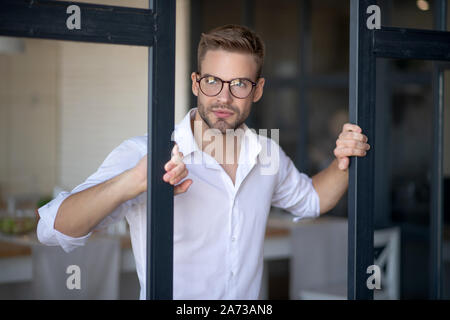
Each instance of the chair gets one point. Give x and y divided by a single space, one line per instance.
98 262
319 260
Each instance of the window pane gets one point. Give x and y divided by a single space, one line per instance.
278 109
410 155
278 24
416 14
330 36
446 231
64 106
142 4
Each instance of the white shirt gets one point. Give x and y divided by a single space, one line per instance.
219 226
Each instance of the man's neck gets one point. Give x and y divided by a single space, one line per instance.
228 148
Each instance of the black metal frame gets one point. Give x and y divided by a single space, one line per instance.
365 47
154 28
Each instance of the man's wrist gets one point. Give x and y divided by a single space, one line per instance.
130 183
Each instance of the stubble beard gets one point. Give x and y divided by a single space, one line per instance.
221 124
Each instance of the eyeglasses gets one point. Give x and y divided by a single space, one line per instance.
240 87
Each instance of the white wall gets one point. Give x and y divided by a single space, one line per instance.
102 101
28 117
65 105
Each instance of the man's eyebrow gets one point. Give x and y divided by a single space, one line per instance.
211 75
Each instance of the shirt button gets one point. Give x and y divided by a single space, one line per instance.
233 239
232 273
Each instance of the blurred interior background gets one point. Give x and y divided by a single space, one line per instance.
65 105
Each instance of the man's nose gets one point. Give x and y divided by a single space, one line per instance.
225 95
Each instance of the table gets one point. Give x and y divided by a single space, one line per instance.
16 260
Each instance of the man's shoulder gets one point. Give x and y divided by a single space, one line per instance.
139 142
268 142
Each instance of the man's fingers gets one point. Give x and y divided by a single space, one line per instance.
353 136
352 144
343 163
169 165
176 159
348 152
175 172
176 152
351 127
174 180
182 187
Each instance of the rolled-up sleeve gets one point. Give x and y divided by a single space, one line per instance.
122 158
294 191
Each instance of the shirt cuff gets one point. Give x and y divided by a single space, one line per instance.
315 209
46 232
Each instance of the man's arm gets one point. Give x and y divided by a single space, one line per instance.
79 213
82 211
332 182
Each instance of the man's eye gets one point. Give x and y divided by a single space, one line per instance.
211 80
237 83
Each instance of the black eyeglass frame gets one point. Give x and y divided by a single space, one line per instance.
229 87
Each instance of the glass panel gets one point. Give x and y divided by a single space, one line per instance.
330 36
448 17
407 158
64 106
217 13
416 14
142 4
278 109
281 36
446 231
327 114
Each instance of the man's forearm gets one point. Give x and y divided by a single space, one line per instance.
330 184
82 211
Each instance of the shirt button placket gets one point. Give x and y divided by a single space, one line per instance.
233 244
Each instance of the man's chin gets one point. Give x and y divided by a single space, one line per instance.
222 126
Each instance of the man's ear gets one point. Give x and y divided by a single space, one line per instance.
259 89
194 84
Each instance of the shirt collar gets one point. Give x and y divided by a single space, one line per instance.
184 137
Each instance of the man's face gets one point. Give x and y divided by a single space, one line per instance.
224 111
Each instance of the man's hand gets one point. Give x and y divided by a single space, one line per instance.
351 142
176 171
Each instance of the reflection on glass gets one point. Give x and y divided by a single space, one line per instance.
408 14
63 107
446 191
278 109
281 35
142 4
410 156
218 13
330 36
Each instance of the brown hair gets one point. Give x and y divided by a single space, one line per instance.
232 38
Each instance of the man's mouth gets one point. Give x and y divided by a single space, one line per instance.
222 113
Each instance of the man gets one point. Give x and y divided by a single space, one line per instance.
223 193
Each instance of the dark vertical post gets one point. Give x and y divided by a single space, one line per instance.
196 22
302 162
361 170
382 204
248 19
440 12
161 65
248 13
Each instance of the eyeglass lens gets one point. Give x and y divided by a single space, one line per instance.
211 86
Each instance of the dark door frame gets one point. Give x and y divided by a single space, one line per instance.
154 28
365 47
